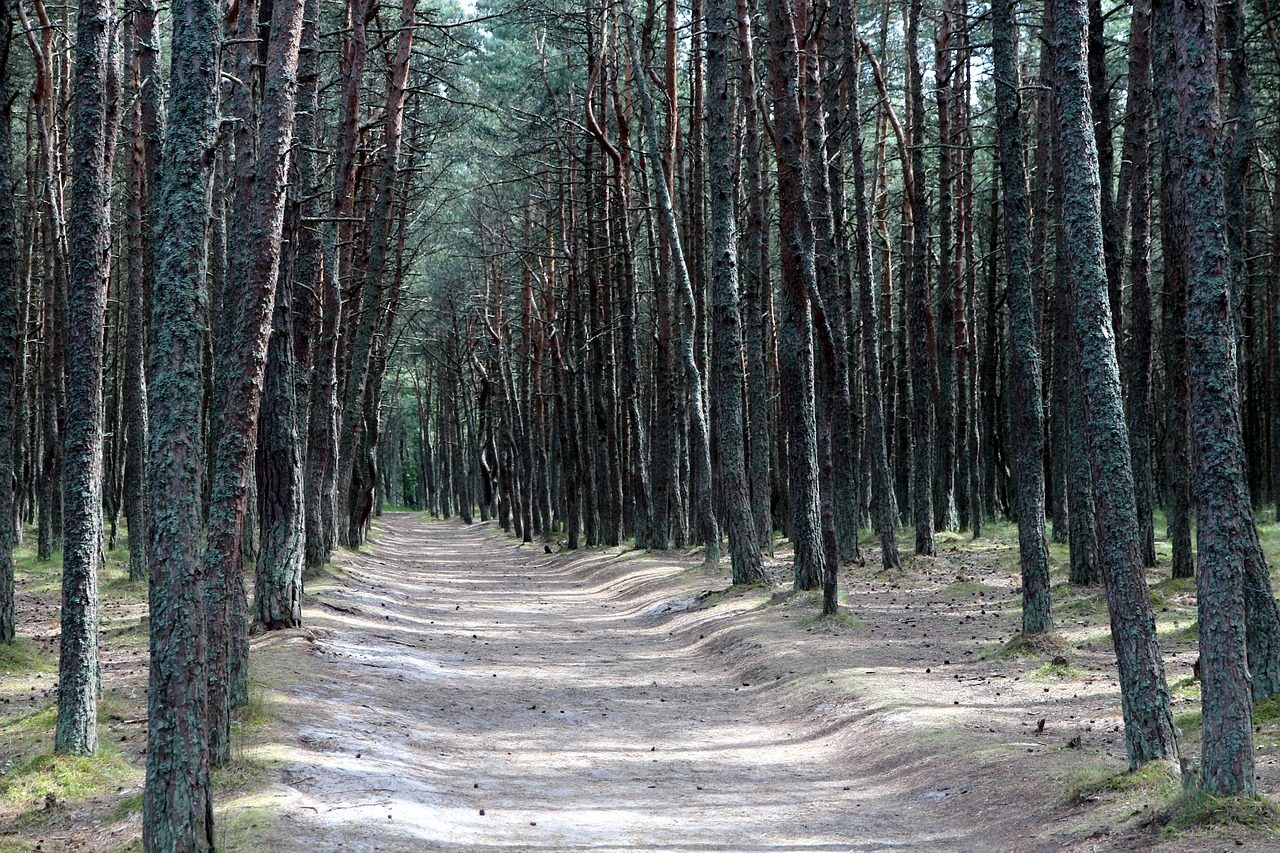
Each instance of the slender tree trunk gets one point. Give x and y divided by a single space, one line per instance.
699 439
799 280
923 357
1149 731
11 338
1138 160
730 424
93 144
263 144
1033 548
178 806
145 91
883 505
755 281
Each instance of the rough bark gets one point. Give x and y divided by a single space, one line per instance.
920 320
263 141
729 422
11 334
799 280
143 85
1033 548
89 227
700 441
178 807
1149 731
883 505
1138 160
1224 517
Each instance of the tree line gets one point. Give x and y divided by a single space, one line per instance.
671 274
732 271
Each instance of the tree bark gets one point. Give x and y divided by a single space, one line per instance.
799 280
178 806
923 355
1149 731
730 425
93 144
1033 548
262 146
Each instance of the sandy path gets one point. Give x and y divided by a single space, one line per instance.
458 673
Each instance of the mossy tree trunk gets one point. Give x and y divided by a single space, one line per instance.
178 806
1144 693
89 235
1024 328
799 280
264 103
11 334
728 376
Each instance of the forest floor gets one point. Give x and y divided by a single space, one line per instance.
456 690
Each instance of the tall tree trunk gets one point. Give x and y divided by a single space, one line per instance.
263 143
1149 731
93 146
883 504
923 356
1224 517
144 87
799 280
700 440
729 422
1138 160
178 806
11 338
755 280
1033 548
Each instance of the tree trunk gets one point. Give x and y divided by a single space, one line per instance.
923 355
178 806
11 338
1149 731
93 146
1033 548
1224 517
700 441
263 143
799 280
729 382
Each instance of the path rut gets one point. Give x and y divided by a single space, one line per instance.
469 694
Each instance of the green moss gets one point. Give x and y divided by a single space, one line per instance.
1188 633
124 809
22 658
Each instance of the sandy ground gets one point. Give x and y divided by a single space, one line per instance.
468 693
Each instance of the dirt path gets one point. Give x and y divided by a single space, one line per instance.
470 694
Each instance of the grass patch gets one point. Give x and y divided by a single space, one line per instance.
48 778
1188 633
22 658
1056 670
1155 779
830 621
1200 811
1020 645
